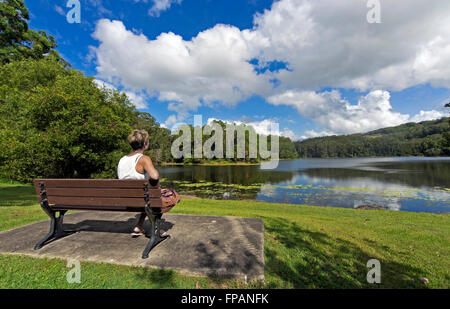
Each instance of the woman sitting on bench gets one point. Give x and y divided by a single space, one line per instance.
136 165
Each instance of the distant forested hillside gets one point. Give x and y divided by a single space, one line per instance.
410 139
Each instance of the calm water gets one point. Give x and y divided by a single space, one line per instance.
408 184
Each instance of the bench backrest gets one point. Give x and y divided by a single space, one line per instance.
99 194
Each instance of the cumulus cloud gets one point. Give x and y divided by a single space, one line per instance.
171 121
334 115
263 127
103 84
209 68
312 134
324 45
428 115
137 99
331 43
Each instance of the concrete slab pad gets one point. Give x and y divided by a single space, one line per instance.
199 245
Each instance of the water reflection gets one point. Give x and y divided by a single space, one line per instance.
410 184
415 174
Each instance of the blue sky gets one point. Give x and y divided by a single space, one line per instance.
295 62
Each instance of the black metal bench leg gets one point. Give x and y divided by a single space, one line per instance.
56 223
51 234
155 236
56 228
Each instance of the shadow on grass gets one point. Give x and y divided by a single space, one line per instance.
158 278
307 259
17 195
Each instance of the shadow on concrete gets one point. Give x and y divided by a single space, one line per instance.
341 265
207 258
109 226
217 253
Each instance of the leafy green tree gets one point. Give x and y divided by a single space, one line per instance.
446 137
287 148
56 122
160 138
17 41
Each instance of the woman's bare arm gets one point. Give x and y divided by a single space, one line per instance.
147 165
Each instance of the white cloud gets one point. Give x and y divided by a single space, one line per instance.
334 115
211 67
330 43
428 115
103 84
312 134
137 99
161 5
263 127
170 121
289 133
325 44
59 10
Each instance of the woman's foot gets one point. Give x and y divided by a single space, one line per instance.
137 232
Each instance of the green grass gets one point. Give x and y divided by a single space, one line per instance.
305 247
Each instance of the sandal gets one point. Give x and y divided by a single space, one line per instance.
137 234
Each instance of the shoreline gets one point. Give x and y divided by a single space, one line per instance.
164 164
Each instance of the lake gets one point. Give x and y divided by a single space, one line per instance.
406 184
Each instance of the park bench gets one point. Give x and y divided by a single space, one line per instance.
62 195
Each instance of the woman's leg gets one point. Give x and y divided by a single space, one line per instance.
140 223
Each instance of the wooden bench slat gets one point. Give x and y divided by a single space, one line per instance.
163 209
105 192
102 201
95 201
96 208
94 183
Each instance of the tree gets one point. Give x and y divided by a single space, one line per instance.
56 122
446 137
160 138
17 41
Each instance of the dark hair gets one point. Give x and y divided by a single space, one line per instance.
137 139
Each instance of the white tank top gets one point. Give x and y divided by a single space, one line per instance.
127 168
